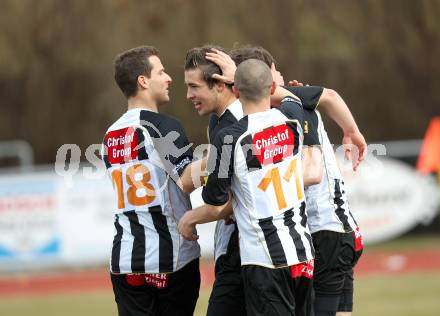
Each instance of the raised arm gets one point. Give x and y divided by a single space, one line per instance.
332 104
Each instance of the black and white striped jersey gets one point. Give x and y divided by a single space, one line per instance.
143 152
230 116
327 202
259 160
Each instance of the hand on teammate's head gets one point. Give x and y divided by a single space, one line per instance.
226 64
295 83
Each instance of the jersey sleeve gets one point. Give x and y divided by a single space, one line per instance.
173 146
309 95
311 123
292 109
216 190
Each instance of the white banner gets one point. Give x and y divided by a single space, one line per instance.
45 221
28 218
389 197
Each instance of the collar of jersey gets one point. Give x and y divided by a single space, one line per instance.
139 109
235 108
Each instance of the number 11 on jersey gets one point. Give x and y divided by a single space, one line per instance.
273 176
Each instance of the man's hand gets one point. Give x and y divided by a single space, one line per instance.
355 148
186 227
295 83
226 64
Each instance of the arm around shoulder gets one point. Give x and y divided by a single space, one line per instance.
200 215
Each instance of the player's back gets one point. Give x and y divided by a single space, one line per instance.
268 189
139 161
327 202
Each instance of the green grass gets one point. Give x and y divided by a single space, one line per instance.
83 304
202 303
404 294
412 294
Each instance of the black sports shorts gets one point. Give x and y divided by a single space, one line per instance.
227 296
335 258
158 294
277 291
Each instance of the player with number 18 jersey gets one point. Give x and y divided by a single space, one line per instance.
154 271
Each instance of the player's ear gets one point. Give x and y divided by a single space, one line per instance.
273 87
236 92
220 86
143 82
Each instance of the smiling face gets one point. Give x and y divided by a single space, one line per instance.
204 99
159 82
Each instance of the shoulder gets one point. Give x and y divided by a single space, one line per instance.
303 91
291 108
160 122
230 134
309 95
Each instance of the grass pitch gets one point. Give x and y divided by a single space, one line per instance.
384 294
412 294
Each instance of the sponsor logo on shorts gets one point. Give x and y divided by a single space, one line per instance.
304 269
358 243
158 280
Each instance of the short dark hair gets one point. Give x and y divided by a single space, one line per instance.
241 54
131 64
196 59
253 79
